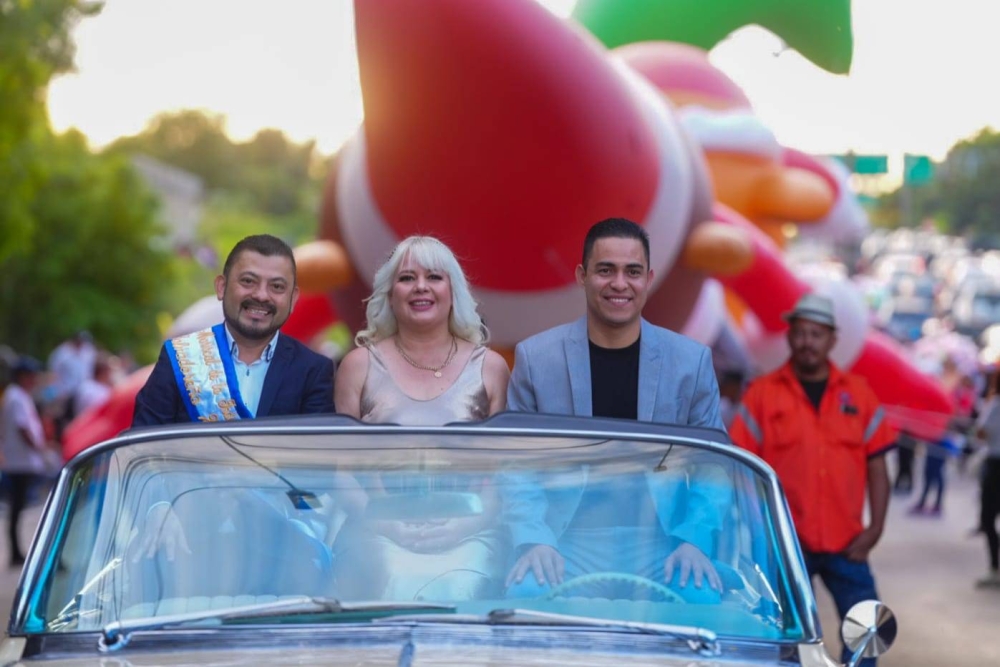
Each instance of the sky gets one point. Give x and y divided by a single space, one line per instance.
920 79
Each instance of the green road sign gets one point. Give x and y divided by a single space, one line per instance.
865 164
917 169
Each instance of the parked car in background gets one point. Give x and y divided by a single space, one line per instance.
903 318
976 307
321 540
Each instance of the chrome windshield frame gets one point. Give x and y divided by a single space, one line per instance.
508 424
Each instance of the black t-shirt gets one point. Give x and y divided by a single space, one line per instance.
614 381
814 390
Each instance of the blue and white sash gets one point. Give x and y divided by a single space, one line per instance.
206 377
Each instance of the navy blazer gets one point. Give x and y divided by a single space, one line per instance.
298 381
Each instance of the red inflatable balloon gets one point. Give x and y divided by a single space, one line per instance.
106 420
915 402
768 288
313 313
501 128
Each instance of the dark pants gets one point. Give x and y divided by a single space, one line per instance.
904 477
933 478
989 508
18 486
848 581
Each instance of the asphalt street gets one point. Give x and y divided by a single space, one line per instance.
925 568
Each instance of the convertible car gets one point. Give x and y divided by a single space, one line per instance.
521 540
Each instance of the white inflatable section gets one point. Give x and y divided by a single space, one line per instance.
847 221
708 315
736 130
204 313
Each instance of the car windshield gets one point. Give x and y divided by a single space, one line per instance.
202 521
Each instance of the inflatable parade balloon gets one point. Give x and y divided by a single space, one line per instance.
749 171
846 222
818 29
107 419
684 74
321 266
763 187
507 134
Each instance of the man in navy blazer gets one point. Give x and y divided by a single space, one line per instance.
612 363
242 367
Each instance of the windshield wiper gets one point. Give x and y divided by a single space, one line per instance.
699 640
117 634
71 612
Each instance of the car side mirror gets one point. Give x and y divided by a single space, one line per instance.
868 630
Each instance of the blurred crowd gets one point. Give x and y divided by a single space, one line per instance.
37 402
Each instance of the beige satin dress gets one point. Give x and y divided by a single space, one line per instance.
382 401
476 566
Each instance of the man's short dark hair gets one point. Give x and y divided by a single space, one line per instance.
262 244
614 228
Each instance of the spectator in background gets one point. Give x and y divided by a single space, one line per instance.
903 484
96 390
950 444
826 436
71 363
23 446
935 458
988 428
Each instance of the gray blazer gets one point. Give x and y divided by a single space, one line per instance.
677 385
677 382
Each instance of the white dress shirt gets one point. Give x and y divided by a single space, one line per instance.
250 377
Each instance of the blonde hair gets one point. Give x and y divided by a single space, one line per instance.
430 253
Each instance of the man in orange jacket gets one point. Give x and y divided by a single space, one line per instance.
826 437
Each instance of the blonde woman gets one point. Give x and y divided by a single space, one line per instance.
423 360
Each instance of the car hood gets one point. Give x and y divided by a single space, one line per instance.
368 646
382 656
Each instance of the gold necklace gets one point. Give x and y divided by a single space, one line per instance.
437 371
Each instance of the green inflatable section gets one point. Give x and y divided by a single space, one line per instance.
818 29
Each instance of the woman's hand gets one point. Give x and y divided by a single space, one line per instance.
430 536
446 534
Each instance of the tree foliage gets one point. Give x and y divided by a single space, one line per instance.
963 198
266 184
270 174
965 191
35 44
92 261
77 232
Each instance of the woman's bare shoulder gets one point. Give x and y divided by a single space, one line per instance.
494 363
354 362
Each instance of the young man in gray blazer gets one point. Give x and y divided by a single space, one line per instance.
613 363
